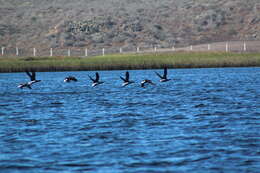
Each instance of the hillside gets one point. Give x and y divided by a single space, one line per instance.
126 23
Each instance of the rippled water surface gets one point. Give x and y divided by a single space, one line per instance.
204 120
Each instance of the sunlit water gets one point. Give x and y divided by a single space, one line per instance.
204 120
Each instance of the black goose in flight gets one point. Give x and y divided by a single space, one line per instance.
146 81
32 76
126 79
70 78
164 77
95 81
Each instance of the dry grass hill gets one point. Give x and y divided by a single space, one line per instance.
126 23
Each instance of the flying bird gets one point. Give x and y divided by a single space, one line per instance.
126 79
146 81
95 81
164 77
32 76
70 78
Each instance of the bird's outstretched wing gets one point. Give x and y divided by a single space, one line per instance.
165 73
97 77
33 75
123 78
127 76
91 78
29 74
158 75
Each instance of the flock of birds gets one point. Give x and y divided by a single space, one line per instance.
96 81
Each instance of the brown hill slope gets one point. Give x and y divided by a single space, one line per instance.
127 23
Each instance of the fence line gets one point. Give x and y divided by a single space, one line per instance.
235 46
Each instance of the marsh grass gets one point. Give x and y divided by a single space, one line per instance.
131 61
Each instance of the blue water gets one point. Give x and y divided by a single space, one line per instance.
204 120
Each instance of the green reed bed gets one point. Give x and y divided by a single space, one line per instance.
131 61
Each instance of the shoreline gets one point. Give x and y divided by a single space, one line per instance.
130 61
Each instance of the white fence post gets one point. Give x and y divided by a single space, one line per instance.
120 50
173 48
137 49
68 52
3 50
51 52
155 48
17 51
244 46
226 46
208 46
34 51
86 52
191 48
103 51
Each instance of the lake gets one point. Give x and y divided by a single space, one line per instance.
203 120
